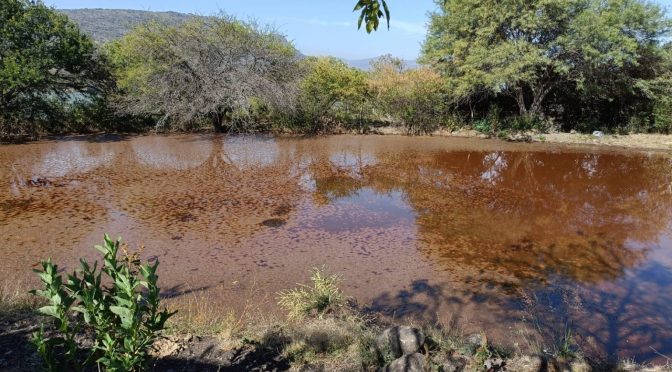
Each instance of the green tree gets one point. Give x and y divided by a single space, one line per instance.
661 90
45 61
526 49
204 69
329 92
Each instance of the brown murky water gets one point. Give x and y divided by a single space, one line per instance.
513 239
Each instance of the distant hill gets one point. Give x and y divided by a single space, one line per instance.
365 64
109 24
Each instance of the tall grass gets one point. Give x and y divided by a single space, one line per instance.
198 314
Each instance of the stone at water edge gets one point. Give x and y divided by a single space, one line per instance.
408 363
452 365
494 364
571 365
476 340
400 340
598 133
520 137
526 363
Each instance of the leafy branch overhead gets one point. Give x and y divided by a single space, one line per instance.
371 13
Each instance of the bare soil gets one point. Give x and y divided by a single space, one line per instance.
635 141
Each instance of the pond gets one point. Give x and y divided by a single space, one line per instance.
522 241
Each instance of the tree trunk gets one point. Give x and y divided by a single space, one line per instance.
539 94
217 119
520 99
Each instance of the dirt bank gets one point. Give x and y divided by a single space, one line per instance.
635 141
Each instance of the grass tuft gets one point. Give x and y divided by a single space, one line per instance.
322 296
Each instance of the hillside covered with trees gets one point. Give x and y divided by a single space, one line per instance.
494 66
105 25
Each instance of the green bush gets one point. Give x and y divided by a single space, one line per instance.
662 113
482 125
331 94
124 317
527 122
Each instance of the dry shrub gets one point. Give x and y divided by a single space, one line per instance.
415 98
629 365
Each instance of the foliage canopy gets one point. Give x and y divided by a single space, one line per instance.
415 97
45 61
202 69
529 50
493 65
330 91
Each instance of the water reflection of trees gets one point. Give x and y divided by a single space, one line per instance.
46 204
235 187
527 215
571 229
205 184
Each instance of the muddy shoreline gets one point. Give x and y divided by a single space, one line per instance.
635 141
640 141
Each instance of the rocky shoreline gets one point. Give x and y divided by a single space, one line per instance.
326 344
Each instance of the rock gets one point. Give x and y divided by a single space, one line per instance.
165 347
451 365
520 137
408 363
399 341
494 364
598 133
476 340
273 222
572 131
526 363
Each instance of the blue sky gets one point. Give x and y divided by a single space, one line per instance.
317 27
